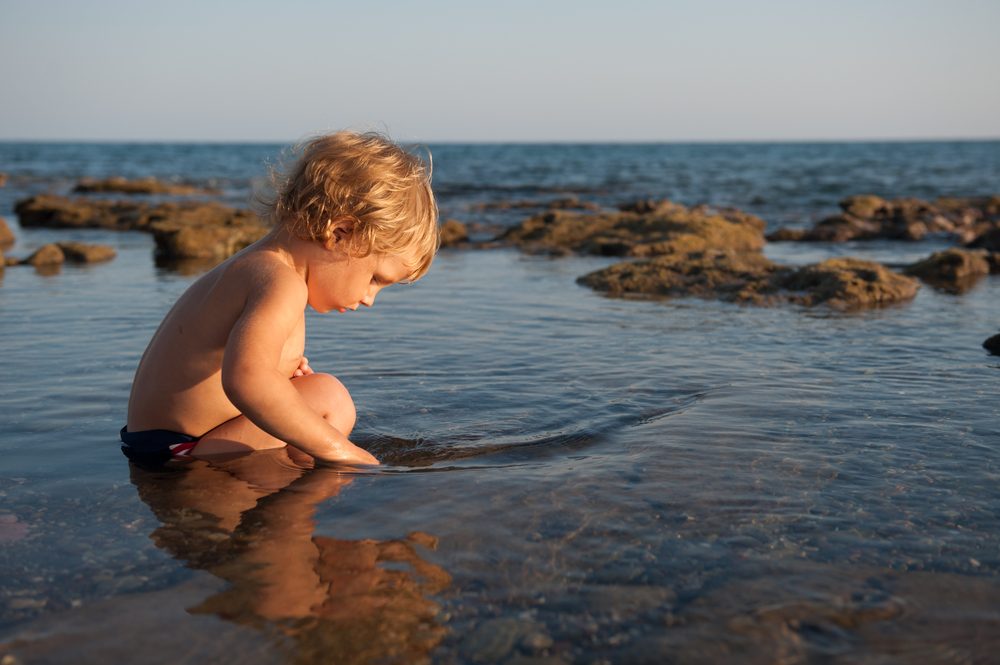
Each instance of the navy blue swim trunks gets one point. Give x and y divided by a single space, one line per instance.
157 443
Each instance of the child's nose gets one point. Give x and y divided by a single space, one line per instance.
368 300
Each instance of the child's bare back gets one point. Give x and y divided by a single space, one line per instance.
225 371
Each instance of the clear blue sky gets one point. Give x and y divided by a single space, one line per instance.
616 70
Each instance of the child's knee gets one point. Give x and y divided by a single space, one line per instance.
330 398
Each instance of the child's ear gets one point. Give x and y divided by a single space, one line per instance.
341 231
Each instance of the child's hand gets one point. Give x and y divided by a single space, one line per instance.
304 369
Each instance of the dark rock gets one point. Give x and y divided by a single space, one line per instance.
670 228
140 186
952 270
993 345
81 252
988 240
453 232
46 255
6 235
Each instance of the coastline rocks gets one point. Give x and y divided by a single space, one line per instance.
846 283
952 270
727 276
82 252
3 179
568 203
177 241
843 283
868 217
666 228
988 240
121 185
992 345
453 233
6 235
182 230
46 255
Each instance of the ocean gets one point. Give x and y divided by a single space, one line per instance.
567 478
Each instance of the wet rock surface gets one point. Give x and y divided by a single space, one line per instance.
642 230
119 185
453 233
81 252
952 270
46 255
868 217
182 230
567 203
992 344
842 283
6 235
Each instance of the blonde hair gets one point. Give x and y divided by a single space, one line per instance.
380 189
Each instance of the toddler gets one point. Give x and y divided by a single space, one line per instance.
225 371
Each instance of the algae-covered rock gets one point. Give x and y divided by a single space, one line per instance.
666 229
203 241
121 185
992 344
182 230
732 276
6 235
81 252
751 278
453 232
868 217
46 255
847 283
953 270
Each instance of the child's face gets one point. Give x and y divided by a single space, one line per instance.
342 282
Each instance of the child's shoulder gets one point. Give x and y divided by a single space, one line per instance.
265 274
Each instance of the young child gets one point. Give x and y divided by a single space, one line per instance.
225 371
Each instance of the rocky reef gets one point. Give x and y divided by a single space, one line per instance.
869 217
182 230
119 185
702 252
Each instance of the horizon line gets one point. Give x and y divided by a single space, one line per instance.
154 141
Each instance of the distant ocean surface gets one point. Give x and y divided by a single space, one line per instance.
568 478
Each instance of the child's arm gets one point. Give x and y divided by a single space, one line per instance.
254 384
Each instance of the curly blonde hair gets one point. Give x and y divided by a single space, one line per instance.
382 191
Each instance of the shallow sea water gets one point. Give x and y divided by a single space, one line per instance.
568 478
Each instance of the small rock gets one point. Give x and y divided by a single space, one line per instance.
952 270
862 205
453 232
847 283
46 255
3 179
6 235
993 345
139 186
786 235
81 252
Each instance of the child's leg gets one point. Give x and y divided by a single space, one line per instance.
324 393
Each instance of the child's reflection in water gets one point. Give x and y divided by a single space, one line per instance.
249 521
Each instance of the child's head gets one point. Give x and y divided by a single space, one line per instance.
381 192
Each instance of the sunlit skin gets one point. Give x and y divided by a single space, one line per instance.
227 362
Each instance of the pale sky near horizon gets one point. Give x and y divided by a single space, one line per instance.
444 70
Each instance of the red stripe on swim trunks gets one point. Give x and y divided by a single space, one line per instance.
182 449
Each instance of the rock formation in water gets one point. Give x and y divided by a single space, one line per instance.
182 230
703 252
992 345
952 270
56 253
868 217
666 228
568 203
119 185
454 233
6 235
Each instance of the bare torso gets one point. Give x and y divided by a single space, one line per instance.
178 385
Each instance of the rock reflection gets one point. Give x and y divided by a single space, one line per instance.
249 521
